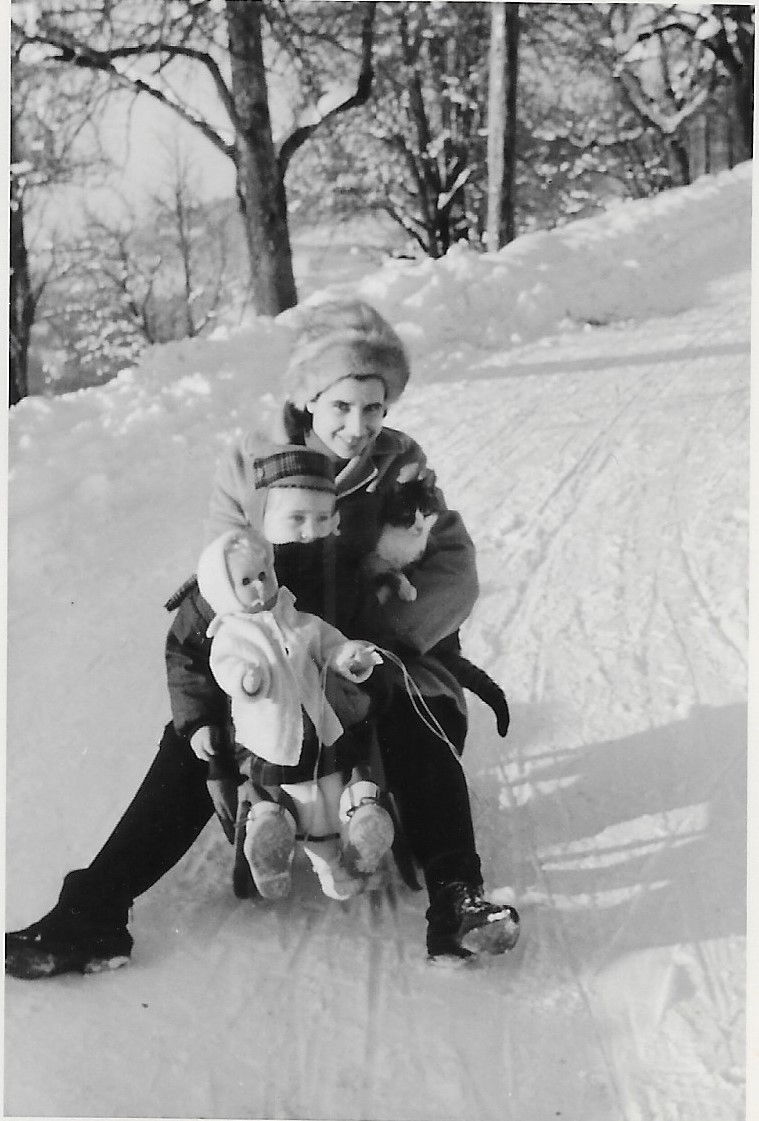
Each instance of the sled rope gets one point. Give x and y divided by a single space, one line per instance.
419 704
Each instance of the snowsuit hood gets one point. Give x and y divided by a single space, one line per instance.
213 573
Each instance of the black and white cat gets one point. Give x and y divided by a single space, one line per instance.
408 513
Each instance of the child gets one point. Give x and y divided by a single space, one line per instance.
286 731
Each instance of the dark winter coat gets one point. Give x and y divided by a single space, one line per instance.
445 578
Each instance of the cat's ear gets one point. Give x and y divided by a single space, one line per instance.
409 473
335 523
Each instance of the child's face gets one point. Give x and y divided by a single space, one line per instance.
296 514
251 571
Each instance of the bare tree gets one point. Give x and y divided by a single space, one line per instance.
200 241
23 298
726 31
430 124
260 186
111 38
502 113
46 120
496 124
513 24
670 59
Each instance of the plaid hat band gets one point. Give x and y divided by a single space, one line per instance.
294 467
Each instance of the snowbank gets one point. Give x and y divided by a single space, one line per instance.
603 473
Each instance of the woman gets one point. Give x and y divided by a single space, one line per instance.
347 367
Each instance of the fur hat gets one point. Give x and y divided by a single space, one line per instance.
352 327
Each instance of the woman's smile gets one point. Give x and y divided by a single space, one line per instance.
348 416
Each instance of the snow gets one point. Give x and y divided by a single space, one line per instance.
583 395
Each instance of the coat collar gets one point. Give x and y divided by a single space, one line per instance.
363 472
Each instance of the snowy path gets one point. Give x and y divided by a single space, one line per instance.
604 477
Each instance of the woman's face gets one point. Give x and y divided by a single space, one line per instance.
348 415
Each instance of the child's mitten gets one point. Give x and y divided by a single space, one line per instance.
356 660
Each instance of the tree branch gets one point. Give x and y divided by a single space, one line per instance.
406 223
398 142
718 44
361 95
647 107
78 54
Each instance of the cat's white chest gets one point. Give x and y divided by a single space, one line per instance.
400 546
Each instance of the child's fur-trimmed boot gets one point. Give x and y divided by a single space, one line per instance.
366 828
336 880
269 848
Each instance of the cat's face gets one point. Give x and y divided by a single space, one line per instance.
421 525
406 503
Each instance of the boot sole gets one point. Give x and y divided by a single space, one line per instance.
269 852
368 840
33 964
496 936
451 961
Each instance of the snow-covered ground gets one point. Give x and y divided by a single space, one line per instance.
583 396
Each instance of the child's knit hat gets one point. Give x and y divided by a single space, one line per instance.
368 342
294 466
282 465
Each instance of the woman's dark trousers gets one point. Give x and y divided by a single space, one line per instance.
163 820
172 806
430 788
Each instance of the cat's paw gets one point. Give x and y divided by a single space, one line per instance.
406 590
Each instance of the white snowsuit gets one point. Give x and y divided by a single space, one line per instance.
290 647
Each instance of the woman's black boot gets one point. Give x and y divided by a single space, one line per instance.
461 923
82 934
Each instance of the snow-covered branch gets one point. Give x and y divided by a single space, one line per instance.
329 107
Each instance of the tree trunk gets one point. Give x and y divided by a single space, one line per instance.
503 74
510 158
260 188
425 170
21 298
736 53
680 160
744 103
496 124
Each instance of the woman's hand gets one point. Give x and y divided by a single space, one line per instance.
356 660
